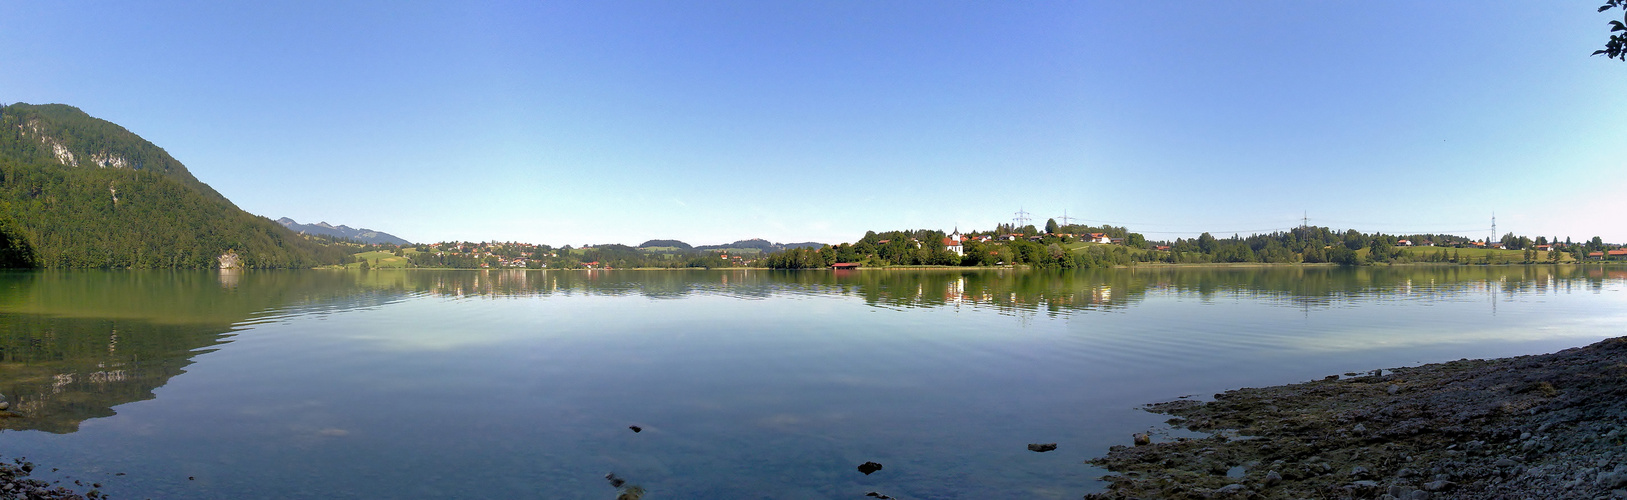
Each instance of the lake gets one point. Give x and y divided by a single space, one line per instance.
745 383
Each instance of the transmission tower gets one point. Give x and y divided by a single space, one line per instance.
1066 221
1305 220
1493 229
1021 219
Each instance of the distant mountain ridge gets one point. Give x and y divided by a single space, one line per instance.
363 235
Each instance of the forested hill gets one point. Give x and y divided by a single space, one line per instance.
80 192
64 135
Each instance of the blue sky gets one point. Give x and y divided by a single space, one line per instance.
617 122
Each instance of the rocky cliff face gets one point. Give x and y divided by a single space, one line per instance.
62 134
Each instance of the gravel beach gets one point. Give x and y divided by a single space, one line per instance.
1542 426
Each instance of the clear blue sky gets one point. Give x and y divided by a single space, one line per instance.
617 122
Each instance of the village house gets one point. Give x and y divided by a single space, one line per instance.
953 243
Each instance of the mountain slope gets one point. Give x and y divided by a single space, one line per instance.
62 134
363 235
80 192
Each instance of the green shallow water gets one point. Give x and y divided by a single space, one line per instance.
754 384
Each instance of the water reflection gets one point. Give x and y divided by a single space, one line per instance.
73 345
1014 292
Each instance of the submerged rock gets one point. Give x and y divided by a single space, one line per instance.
1042 448
636 429
869 467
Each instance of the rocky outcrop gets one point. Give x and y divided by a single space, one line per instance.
1551 425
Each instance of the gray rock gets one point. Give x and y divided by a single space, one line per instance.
1440 485
1041 447
1474 446
1359 428
4 405
1359 472
1230 489
1505 463
1392 389
1272 478
1612 480
1142 438
1405 473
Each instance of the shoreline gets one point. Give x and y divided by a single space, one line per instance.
1142 265
1546 425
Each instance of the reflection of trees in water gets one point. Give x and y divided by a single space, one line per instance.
1013 292
1334 287
57 372
75 344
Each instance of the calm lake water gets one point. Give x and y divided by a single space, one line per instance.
747 384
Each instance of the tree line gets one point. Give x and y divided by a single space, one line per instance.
1050 250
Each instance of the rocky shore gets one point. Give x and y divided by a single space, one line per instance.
15 483
1543 426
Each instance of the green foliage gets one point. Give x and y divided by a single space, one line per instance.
60 208
31 134
666 243
1616 46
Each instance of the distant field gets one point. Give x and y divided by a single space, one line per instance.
383 259
1419 253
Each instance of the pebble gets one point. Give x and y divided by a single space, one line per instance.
1438 485
1505 463
1392 389
1359 471
1272 478
1230 489
4 405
